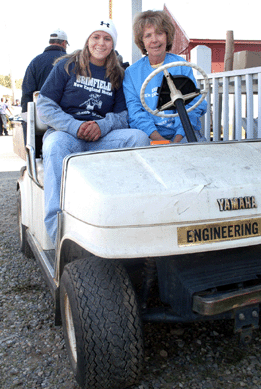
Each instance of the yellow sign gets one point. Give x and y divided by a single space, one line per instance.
217 232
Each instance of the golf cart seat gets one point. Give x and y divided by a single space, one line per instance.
40 127
35 131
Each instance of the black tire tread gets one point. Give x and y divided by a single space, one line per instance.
111 328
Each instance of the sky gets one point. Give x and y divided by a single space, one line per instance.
27 24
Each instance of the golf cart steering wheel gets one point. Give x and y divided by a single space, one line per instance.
174 92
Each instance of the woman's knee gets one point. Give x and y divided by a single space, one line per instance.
137 138
59 143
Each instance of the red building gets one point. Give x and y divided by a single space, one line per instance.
183 45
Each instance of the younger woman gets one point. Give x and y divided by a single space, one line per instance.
83 104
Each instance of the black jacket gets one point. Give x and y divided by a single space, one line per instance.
37 72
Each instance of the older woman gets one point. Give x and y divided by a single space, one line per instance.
154 34
83 104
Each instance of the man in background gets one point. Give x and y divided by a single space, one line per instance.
40 67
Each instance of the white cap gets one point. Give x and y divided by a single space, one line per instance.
59 34
106 25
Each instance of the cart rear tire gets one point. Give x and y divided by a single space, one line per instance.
101 323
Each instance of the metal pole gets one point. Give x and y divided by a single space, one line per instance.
136 8
110 9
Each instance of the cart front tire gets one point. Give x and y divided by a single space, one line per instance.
101 323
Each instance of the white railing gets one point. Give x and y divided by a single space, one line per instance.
234 105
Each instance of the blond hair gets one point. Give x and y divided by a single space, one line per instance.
160 20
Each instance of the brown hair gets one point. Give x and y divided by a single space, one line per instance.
81 58
160 20
58 41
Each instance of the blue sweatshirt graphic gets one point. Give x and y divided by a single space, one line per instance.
66 100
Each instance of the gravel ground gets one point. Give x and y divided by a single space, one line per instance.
32 350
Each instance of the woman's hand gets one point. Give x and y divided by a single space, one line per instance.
89 131
155 136
178 138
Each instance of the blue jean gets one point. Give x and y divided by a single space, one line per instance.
58 144
199 136
3 123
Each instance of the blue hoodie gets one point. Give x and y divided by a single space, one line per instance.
139 118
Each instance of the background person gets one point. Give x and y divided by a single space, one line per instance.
3 119
82 102
40 67
154 34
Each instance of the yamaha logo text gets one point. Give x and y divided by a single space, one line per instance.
237 203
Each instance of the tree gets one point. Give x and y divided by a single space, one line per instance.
6 81
18 83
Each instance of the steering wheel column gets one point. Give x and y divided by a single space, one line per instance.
177 100
184 118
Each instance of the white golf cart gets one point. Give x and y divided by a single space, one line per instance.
167 233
